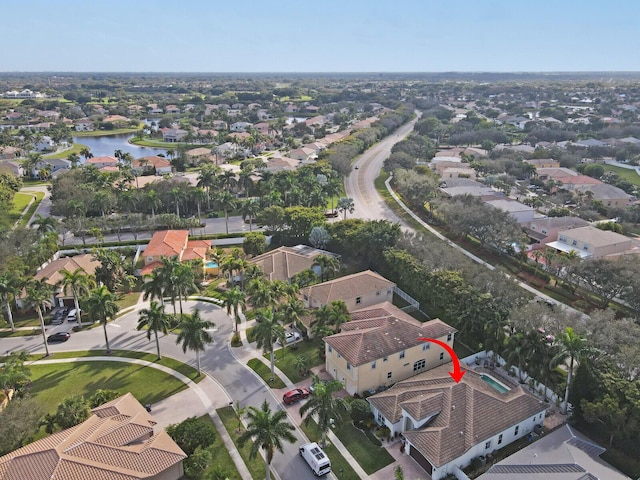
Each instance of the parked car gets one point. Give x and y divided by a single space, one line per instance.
58 337
289 337
312 387
295 395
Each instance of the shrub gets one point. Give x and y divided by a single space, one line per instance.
360 410
235 340
191 434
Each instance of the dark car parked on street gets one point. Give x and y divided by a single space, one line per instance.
58 337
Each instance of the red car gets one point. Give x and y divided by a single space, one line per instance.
295 395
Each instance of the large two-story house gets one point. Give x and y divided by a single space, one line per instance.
173 244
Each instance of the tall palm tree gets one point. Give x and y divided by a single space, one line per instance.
153 319
291 310
324 406
154 286
338 314
267 430
249 209
185 282
178 195
101 306
80 284
10 285
193 334
261 295
225 201
169 273
39 294
45 224
574 347
328 265
86 153
267 331
207 179
153 200
234 301
332 188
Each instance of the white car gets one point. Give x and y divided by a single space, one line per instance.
289 337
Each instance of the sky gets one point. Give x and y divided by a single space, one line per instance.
319 36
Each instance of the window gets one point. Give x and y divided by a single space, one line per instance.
419 365
389 375
384 359
339 356
348 366
574 242
562 238
487 445
540 417
380 418
449 337
330 349
373 365
358 300
586 247
515 432
544 232
402 354
500 439
149 259
378 293
426 346
442 356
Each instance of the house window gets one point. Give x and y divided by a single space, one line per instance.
149 259
544 232
562 238
388 375
426 346
419 365
442 356
586 247
500 439
540 417
402 354
306 298
339 356
384 359
574 242
358 300
380 418
487 445
378 293
515 432
449 337
373 365
348 366
330 349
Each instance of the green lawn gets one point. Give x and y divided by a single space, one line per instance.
104 133
371 457
20 202
32 209
220 457
53 382
625 173
264 372
74 149
128 300
339 465
286 357
256 465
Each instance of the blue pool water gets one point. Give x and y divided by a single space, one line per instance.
211 264
496 385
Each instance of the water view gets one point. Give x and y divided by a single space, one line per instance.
106 145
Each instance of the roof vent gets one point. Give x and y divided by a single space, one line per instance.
453 407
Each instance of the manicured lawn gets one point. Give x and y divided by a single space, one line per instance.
250 335
264 372
20 202
19 333
53 382
339 465
220 457
32 209
625 173
286 357
104 133
128 300
371 457
74 149
256 465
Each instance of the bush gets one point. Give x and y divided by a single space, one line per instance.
235 340
72 411
360 410
197 463
191 434
102 397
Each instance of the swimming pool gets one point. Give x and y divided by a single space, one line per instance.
495 384
211 264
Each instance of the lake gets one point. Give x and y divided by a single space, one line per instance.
106 145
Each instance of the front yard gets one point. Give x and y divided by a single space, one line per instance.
287 357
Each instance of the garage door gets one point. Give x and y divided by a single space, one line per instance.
418 457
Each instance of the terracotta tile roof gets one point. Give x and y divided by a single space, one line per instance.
381 331
107 159
282 263
480 411
350 286
152 161
116 443
167 243
196 250
51 271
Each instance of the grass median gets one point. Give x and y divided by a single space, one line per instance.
264 371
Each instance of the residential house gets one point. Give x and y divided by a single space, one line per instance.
609 195
8 152
303 154
544 230
117 442
173 244
285 262
555 174
173 134
99 162
278 164
591 242
446 424
172 109
84 125
54 165
153 109
44 144
153 163
519 211
357 291
14 168
574 182
564 454
544 163
197 155
240 126
380 346
219 124
117 120
51 274
263 128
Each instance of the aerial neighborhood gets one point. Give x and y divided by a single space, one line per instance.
420 276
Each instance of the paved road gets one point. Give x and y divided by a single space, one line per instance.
218 360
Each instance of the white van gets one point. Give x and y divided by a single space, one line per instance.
73 315
316 459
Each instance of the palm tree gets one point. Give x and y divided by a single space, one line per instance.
234 301
337 314
193 334
168 271
267 430
86 152
45 224
574 347
153 319
184 282
324 406
328 265
39 294
333 187
10 285
154 201
261 295
226 201
80 284
291 310
101 306
207 179
346 205
267 331
178 195
249 209
74 158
